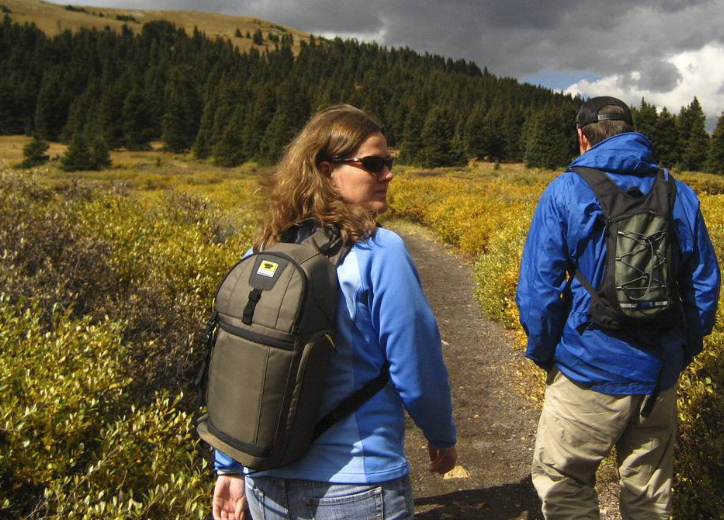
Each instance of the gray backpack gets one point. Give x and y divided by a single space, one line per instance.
270 341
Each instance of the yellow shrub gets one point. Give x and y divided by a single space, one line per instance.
107 291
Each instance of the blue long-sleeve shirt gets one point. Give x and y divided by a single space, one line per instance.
382 315
564 234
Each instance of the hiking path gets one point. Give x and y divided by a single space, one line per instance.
496 423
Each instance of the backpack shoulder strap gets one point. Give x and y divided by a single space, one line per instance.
351 403
668 184
607 192
327 240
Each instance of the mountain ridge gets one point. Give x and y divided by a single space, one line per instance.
52 19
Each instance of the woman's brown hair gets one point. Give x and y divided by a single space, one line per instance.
300 191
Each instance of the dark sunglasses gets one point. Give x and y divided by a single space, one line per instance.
371 163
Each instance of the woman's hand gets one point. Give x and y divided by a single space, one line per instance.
442 460
229 498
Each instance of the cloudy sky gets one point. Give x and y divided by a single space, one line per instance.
667 51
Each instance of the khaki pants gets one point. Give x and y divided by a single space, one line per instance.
579 427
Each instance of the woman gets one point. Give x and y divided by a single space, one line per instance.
336 173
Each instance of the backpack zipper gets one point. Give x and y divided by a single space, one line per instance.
256 337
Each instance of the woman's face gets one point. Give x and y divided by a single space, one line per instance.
359 185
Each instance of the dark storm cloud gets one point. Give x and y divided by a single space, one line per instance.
655 76
511 37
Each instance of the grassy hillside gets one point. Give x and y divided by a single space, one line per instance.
54 18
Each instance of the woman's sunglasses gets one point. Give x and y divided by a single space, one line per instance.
371 163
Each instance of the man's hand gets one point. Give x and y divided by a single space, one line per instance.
229 498
442 460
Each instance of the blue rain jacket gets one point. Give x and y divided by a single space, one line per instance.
562 235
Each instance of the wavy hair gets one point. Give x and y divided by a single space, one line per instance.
299 190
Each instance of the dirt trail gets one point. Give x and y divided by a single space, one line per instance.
496 425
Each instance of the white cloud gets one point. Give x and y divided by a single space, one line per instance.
701 74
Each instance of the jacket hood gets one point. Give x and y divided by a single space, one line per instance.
628 153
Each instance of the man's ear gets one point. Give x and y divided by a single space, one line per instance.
583 142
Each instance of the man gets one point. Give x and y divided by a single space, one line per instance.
605 387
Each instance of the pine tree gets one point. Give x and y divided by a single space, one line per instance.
493 135
78 155
203 143
513 138
229 150
547 143
34 153
278 134
80 112
258 37
86 154
696 144
154 92
100 156
48 118
475 139
237 33
181 121
292 111
716 147
644 118
108 121
665 139
411 136
438 148
11 120
262 111
137 123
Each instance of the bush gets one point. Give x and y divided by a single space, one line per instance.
72 442
59 384
105 295
102 254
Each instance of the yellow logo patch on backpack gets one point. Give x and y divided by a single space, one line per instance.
267 268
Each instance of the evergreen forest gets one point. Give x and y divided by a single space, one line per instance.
106 90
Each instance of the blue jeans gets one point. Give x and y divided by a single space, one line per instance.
279 499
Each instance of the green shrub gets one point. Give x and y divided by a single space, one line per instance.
59 383
144 467
73 444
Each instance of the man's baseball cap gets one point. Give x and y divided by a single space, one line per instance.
590 111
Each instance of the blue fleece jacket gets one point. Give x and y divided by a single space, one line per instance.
563 233
383 315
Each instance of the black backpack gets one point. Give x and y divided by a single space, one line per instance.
270 341
639 290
